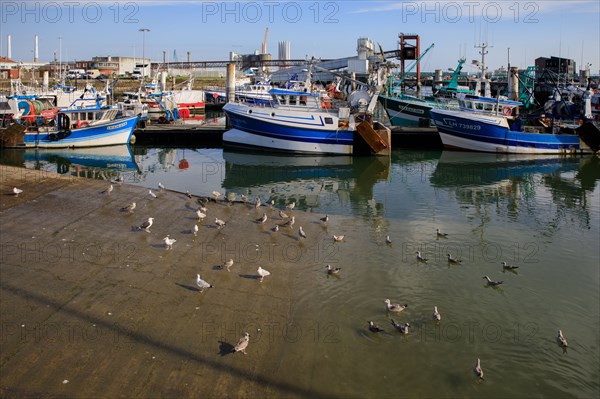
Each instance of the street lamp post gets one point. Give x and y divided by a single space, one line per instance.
60 57
144 30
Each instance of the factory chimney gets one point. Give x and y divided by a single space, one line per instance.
35 50
8 48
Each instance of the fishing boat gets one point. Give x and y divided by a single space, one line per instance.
486 124
308 122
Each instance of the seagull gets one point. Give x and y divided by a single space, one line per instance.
492 282
453 260
283 215
403 328
242 343
271 204
187 194
244 198
263 273
17 191
150 193
202 208
228 264
301 233
257 203
195 230
324 219
220 224
146 225
169 242
200 215
374 328
338 238
561 339
388 240
394 307
129 208
216 194
509 267
290 222
477 369
291 206
436 315
108 190
202 202
160 186
331 270
262 219
440 234
201 283
420 257
275 229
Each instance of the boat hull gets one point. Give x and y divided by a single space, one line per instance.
113 133
465 131
406 113
312 132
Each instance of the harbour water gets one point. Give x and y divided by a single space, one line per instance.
541 214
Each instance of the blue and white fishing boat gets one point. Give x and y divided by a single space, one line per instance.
488 124
307 122
76 127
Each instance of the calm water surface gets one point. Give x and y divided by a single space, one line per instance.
540 213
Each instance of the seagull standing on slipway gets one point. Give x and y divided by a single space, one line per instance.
440 234
331 270
301 233
188 194
275 229
150 193
394 307
562 340
200 215
338 238
129 208
436 315
228 264
195 230
258 203
263 273
242 343
290 222
202 208
146 225
388 240
216 194
283 215
477 370
17 191
108 190
508 267
374 328
160 186
169 242
420 257
201 283
492 282
220 224
453 260
324 219
262 219
291 206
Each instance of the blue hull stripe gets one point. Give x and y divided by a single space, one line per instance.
86 134
282 132
502 136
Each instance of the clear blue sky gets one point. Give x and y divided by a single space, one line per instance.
327 29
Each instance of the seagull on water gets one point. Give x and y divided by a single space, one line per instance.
477 370
262 219
453 260
324 219
150 193
195 230
338 238
200 215
420 257
108 190
492 282
283 215
374 328
301 233
161 187
388 240
129 208
331 270
17 191
201 283
436 315
561 339
220 224
146 225
403 328
242 343
508 267
275 229
263 273
169 242
394 307
228 264
440 234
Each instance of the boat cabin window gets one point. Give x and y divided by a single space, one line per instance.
292 100
479 106
489 107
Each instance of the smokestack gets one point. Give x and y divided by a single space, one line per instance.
8 48
35 49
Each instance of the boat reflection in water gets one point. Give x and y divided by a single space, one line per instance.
516 183
93 162
310 181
